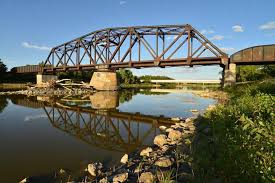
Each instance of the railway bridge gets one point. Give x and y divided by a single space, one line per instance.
104 51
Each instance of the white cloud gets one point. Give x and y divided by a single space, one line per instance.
122 2
205 31
268 25
29 45
217 37
230 49
237 28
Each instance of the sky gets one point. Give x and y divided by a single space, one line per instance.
30 28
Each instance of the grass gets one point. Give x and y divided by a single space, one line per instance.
240 146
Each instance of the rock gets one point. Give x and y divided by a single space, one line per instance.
160 140
119 178
103 180
194 110
168 130
174 135
162 128
95 169
187 120
146 177
138 169
124 159
164 148
175 119
24 180
146 151
62 171
163 162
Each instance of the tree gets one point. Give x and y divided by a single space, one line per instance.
253 73
148 78
3 68
126 77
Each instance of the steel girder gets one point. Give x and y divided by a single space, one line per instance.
135 47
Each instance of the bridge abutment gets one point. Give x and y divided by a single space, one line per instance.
104 80
229 75
43 80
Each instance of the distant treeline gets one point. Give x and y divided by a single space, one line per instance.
148 78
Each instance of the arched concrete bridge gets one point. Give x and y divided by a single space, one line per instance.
144 46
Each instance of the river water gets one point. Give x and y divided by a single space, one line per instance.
39 135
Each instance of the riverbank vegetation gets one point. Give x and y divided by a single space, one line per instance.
239 143
255 73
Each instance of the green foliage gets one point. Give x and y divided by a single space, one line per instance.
148 78
10 77
3 68
253 73
241 146
125 76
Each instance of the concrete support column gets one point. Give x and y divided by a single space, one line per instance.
229 75
43 80
104 80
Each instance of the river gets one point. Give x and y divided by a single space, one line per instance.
39 135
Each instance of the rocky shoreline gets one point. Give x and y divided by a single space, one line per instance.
150 164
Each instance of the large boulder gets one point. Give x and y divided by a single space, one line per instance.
160 140
164 162
174 135
124 159
146 177
146 151
95 169
120 178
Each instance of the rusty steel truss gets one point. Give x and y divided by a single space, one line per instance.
135 47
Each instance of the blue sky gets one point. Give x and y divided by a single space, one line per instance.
30 27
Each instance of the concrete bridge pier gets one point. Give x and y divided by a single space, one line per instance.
229 74
104 79
42 80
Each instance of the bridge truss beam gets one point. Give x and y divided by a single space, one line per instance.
135 47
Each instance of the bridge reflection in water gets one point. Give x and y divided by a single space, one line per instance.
102 125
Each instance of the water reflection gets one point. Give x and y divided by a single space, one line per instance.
42 134
3 103
95 120
112 130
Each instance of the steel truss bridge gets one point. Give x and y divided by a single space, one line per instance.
145 46
135 47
